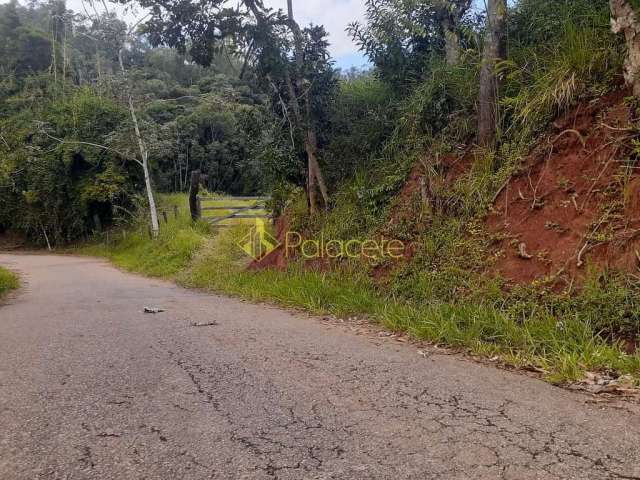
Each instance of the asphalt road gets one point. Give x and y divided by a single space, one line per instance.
92 388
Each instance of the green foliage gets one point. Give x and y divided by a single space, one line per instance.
440 104
541 23
545 80
8 281
165 256
403 37
23 49
52 186
610 302
362 117
564 344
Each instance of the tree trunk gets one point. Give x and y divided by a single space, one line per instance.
144 154
451 42
194 205
315 178
451 13
625 20
489 82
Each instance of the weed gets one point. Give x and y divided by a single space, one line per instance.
440 304
8 281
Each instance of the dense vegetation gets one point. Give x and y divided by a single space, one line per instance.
253 100
69 155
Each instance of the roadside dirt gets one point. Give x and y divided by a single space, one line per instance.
573 204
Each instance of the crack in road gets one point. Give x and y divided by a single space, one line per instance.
95 389
495 434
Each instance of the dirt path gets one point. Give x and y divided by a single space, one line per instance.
91 387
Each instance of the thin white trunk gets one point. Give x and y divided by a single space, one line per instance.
144 154
54 65
64 56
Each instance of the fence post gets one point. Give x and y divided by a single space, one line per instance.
194 204
175 211
164 216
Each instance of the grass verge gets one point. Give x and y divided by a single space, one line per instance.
8 281
563 345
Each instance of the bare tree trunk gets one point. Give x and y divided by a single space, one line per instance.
54 63
451 43
64 55
451 13
625 20
98 66
315 176
144 154
312 149
489 82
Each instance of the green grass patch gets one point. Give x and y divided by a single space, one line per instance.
562 339
134 249
8 281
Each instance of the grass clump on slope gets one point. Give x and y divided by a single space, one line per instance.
8 281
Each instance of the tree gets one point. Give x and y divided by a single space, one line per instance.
144 154
315 176
287 57
624 20
401 36
122 38
493 52
450 13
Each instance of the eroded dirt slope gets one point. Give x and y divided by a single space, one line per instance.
575 202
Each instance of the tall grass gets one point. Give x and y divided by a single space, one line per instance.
8 281
543 81
563 342
563 347
134 249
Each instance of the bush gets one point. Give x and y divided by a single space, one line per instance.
8 281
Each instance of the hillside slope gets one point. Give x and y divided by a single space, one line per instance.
576 200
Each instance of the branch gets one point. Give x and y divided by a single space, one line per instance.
96 145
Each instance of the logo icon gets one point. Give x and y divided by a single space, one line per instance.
258 242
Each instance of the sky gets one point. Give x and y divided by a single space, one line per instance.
335 15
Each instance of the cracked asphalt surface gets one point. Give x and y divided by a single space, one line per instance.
92 388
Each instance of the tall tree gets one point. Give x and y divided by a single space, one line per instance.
9 24
450 13
144 153
401 37
315 176
493 52
273 38
624 20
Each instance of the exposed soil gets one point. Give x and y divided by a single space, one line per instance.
277 258
572 203
411 210
422 193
